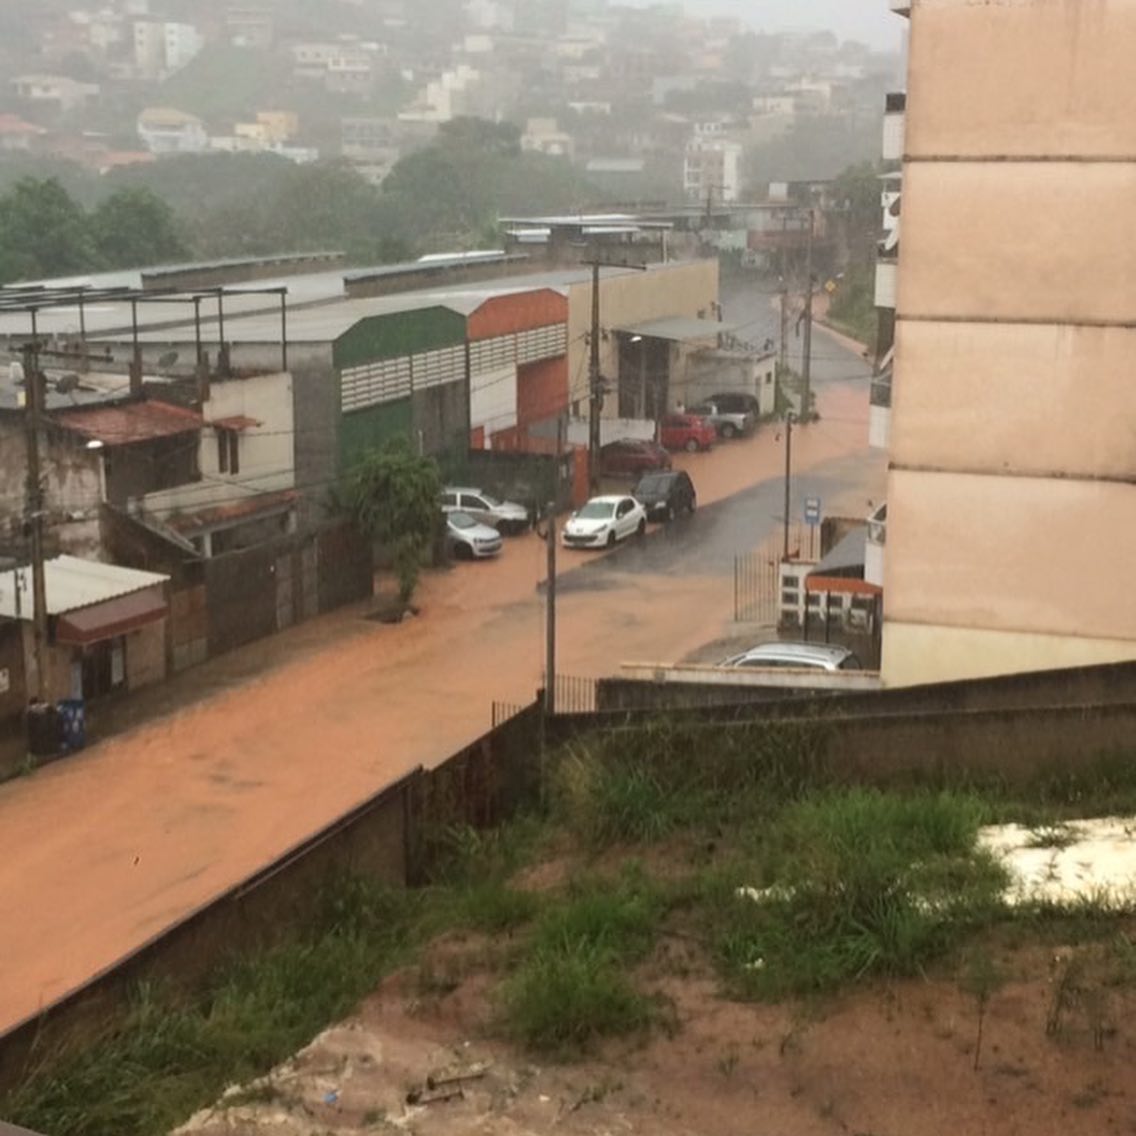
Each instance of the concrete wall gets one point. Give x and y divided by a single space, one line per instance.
1012 490
146 654
73 487
685 288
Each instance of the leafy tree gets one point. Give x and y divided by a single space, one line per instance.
135 227
856 192
43 232
472 172
327 205
392 494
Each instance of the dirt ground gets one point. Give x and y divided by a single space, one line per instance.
105 850
895 1059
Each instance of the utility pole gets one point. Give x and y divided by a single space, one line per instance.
595 381
33 409
807 359
595 385
788 475
783 355
550 598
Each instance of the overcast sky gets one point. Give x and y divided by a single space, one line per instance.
870 21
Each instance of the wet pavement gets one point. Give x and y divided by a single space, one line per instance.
105 850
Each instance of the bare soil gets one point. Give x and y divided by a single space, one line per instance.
889 1059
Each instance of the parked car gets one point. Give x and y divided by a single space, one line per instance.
633 455
686 432
737 402
469 539
728 423
603 521
798 656
665 494
505 516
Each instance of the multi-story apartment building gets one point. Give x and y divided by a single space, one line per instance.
1011 511
712 165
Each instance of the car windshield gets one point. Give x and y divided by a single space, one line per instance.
462 521
490 500
657 483
596 511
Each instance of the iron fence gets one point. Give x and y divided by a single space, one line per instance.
506 711
757 574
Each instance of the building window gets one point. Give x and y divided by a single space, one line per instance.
228 451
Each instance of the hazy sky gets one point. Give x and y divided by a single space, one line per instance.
870 21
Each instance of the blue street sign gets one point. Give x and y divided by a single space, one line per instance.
812 510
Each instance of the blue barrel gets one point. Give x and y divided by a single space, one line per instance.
72 723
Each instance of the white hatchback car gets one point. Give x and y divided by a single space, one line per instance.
603 521
469 539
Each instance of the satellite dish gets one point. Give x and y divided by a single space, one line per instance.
167 360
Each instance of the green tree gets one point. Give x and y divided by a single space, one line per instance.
135 227
450 191
43 232
392 494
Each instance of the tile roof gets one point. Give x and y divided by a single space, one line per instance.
130 422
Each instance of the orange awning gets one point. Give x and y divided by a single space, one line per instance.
109 619
842 585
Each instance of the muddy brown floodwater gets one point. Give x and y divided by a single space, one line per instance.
105 850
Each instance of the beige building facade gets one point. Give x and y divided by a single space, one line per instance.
1011 530
679 289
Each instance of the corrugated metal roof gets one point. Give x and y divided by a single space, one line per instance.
324 323
72 584
130 422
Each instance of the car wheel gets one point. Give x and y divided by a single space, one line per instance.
729 430
463 552
611 539
642 529
691 445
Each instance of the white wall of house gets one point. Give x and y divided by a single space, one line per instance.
493 400
265 450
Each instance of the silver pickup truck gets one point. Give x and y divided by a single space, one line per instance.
729 424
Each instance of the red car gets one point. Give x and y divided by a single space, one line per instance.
631 455
687 432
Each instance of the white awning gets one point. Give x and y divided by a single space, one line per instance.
72 584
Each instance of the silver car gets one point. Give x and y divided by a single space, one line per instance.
469 539
728 423
796 656
505 516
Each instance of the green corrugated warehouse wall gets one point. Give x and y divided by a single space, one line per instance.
388 337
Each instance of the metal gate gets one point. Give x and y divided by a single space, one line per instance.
757 577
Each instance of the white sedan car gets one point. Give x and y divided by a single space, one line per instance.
470 539
603 521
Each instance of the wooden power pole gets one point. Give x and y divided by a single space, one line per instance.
33 515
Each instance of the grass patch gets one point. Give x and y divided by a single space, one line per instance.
562 1001
857 883
641 785
572 987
